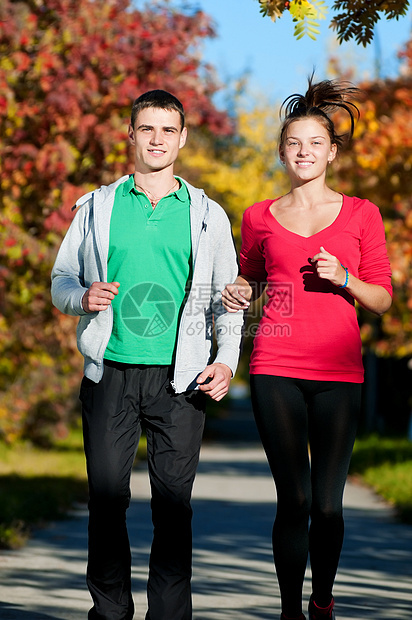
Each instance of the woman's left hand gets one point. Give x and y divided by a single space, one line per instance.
373 297
328 267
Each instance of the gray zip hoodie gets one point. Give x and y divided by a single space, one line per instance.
82 260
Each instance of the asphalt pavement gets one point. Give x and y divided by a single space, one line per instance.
233 574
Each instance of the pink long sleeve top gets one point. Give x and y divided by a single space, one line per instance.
309 328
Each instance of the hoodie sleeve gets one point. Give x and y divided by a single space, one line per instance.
228 326
68 287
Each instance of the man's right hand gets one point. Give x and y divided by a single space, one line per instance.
99 296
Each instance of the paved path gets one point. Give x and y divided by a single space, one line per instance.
233 571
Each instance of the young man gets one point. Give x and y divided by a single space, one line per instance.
143 265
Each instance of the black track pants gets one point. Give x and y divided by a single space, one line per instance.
290 413
128 398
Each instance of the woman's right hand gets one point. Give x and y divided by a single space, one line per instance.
237 296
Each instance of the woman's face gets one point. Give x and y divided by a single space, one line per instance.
306 150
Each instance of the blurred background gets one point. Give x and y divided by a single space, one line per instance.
69 71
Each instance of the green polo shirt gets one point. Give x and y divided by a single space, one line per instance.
150 255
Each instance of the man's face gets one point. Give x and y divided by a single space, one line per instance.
157 137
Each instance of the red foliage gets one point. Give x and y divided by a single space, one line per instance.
69 72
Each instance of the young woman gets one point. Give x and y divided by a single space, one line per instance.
318 251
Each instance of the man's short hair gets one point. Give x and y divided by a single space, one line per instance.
157 99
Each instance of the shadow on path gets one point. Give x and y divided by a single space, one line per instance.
12 612
233 566
234 506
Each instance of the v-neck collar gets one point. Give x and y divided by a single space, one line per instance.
333 228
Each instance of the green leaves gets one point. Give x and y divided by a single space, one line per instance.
355 19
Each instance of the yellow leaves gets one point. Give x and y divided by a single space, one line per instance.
247 170
6 63
4 328
369 112
111 158
259 128
14 252
6 366
66 36
87 162
11 114
55 194
370 161
10 210
41 358
119 154
373 126
72 158
305 14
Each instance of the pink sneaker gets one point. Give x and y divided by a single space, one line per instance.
321 613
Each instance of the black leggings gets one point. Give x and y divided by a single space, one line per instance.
290 413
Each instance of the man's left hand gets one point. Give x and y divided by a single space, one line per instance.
220 376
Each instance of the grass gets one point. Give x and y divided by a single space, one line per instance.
37 486
385 464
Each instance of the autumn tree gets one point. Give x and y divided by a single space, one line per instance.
244 168
378 166
351 19
69 70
